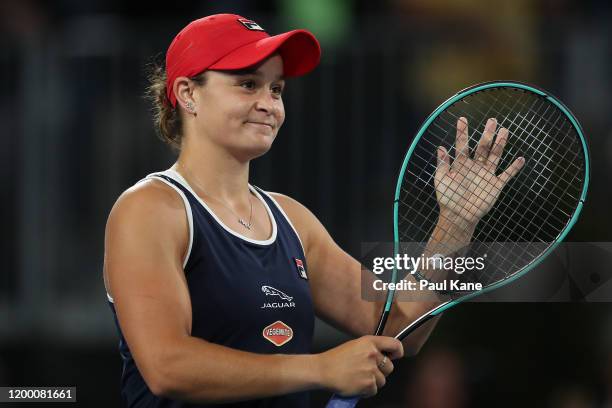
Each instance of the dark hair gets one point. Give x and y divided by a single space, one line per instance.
166 118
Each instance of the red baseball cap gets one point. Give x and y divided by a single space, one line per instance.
229 42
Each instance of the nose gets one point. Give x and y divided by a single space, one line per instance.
266 103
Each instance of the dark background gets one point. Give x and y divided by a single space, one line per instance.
76 132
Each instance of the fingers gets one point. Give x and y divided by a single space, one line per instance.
498 147
386 366
461 142
443 164
381 380
383 368
512 170
389 346
484 145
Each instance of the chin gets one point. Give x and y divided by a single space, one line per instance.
260 142
260 150
252 144
254 150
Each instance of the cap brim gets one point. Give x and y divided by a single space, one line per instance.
299 50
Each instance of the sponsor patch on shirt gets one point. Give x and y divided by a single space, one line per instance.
278 333
300 268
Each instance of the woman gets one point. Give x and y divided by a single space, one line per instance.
214 283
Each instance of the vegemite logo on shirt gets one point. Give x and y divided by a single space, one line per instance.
278 333
270 291
300 268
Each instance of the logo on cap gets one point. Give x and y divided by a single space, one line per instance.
278 333
250 24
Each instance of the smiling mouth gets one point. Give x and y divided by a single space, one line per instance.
261 124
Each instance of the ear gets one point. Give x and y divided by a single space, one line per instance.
183 90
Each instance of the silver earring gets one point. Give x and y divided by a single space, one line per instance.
190 107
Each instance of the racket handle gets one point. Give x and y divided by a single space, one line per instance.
342 402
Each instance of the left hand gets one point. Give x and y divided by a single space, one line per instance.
468 188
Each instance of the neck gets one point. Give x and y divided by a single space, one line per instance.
216 171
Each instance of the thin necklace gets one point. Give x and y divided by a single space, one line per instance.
240 220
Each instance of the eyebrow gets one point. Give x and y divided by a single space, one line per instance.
250 71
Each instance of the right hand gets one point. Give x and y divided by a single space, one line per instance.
353 368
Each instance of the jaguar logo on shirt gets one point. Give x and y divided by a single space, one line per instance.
270 291
278 333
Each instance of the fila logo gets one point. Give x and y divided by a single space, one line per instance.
300 268
250 24
278 333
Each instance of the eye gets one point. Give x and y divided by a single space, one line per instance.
277 90
248 84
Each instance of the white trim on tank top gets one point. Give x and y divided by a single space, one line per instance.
177 177
269 195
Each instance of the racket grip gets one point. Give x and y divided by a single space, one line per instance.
342 402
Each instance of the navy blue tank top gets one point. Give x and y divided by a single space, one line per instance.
251 295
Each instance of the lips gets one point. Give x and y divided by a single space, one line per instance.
270 125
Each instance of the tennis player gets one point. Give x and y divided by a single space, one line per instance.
214 283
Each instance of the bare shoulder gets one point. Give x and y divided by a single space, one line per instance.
147 221
149 210
152 194
151 201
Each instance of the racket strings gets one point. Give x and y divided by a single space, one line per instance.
421 190
546 180
521 125
530 146
536 99
551 172
447 234
485 189
533 208
501 164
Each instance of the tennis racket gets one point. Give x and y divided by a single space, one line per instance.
538 150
